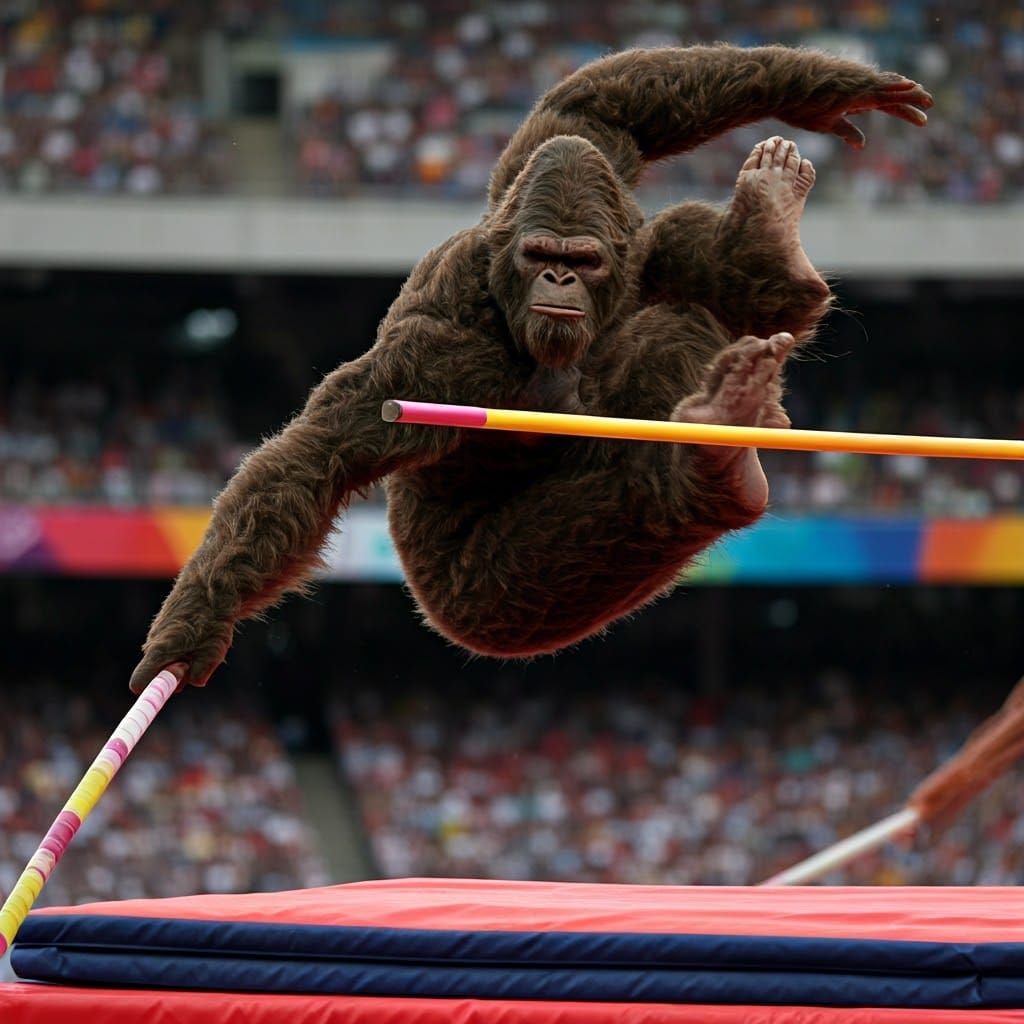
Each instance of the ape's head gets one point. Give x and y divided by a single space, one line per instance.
559 243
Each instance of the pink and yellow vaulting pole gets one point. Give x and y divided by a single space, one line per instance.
429 413
81 803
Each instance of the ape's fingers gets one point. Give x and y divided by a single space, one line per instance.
848 132
894 80
150 667
903 93
179 670
906 91
905 112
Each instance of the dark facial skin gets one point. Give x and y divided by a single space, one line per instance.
560 277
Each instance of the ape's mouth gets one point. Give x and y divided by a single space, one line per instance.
569 312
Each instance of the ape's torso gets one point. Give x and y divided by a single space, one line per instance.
476 529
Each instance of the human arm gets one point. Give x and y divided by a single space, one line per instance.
643 105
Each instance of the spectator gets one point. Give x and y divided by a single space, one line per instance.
83 441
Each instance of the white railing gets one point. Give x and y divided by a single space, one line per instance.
388 236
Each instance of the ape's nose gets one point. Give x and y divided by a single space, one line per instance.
552 277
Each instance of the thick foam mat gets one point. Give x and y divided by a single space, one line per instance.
510 942
45 1004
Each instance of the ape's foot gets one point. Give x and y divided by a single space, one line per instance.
742 387
775 182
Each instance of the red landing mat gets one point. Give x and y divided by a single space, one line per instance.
433 950
44 1004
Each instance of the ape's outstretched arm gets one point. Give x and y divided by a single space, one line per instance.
269 524
643 105
271 520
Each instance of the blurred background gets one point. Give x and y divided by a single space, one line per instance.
204 206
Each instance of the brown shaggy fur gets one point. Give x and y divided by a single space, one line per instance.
514 546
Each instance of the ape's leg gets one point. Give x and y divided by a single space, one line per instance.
743 388
766 282
773 184
535 567
746 265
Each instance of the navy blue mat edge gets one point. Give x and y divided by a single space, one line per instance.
602 984
585 966
650 950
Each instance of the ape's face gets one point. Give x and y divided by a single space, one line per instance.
559 251
561 281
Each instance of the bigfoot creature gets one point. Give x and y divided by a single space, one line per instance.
560 299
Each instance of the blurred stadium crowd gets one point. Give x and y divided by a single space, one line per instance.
455 88
210 803
106 97
642 783
110 96
639 781
113 443
645 784
106 443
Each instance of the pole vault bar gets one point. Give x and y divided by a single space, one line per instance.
437 415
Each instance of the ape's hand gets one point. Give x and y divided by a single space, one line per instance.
891 93
188 633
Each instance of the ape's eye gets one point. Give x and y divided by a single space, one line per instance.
535 254
584 261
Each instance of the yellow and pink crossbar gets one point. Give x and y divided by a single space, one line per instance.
439 415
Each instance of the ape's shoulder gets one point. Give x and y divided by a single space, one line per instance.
450 283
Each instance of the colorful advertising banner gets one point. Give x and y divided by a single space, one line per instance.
155 542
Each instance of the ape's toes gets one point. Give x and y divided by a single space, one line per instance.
774 415
774 183
743 380
774 169
762 155
805 178
753 162
796 174
774 151
785 157
781 345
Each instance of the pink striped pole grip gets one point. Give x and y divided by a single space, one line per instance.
433 414
81 802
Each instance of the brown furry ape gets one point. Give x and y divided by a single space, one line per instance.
560 299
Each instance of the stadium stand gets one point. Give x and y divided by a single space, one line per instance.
101 441
116 97
105 98
211 803
634 780
453 88
641 783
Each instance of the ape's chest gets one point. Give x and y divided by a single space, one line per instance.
489 468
